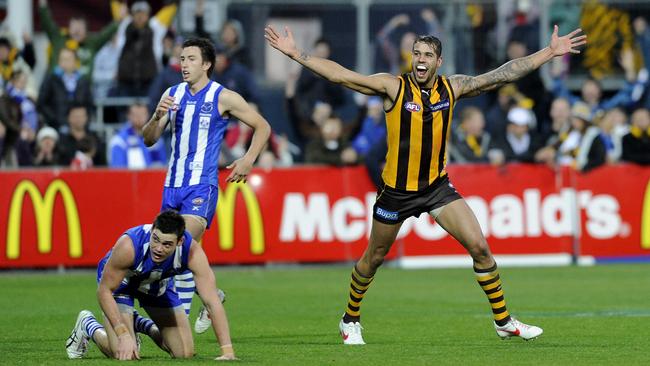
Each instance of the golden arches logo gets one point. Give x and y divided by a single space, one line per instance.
645 219
226 215
43 212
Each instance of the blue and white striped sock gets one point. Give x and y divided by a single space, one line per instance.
90 326
185 288
142 324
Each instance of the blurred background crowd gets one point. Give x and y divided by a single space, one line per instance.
79 79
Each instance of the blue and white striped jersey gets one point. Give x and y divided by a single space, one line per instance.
145 275
197 132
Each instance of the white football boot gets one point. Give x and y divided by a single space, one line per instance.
76 345
203 321
515 328
351 333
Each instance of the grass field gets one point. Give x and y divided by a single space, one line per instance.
590 315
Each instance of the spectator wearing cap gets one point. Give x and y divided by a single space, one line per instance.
127 147
140 38
63 87
519 143
40 150
583 148
76 37
636 144
470 142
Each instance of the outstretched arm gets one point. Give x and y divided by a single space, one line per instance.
378 84
464 85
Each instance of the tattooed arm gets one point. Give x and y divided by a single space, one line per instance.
384 85
470 86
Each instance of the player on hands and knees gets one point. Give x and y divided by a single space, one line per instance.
198 111
141 265
418 107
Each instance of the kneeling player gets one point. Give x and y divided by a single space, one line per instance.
141 266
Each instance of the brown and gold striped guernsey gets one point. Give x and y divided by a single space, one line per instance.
417 133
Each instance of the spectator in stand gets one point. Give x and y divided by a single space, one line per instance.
612 132
169 76
127 147
39 150
508 96
306 126
470 142
310 88
76 36
11 125
78 129
235 76
636 144
619 37
104 74
83 157
399 59
141 40
583 148
331 148
373 127
231 35
531 85
642 32
13 60
591 91
560 126
520 143
63 87
237 141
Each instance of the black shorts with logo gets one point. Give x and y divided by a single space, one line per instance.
394 206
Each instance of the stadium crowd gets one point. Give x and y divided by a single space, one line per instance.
137 55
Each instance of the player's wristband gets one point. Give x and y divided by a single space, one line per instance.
121 330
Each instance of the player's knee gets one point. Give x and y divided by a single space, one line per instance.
479 249
376 260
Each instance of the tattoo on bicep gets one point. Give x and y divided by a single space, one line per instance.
508 72
304 56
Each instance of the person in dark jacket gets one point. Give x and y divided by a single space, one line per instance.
636 144
62 88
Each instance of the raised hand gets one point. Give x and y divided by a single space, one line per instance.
566 44
284 44
164 106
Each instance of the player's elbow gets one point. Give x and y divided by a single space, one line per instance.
149 140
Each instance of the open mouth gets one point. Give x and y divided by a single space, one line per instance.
156 257
420 71
186 74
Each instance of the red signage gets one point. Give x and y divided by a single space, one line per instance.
316 214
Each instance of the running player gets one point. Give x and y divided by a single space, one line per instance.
418 107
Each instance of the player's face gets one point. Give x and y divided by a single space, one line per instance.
163 245
192 66
425 63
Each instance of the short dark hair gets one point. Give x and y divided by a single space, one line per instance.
431 41
77 105
170 222
208 53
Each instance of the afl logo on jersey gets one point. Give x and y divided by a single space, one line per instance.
412 107
207 107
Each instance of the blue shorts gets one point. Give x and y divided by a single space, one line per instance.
199 200
126 295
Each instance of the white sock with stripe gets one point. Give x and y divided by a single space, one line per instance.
185 288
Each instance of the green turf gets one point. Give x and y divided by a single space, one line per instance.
594 315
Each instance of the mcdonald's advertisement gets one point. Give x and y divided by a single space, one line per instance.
59 218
